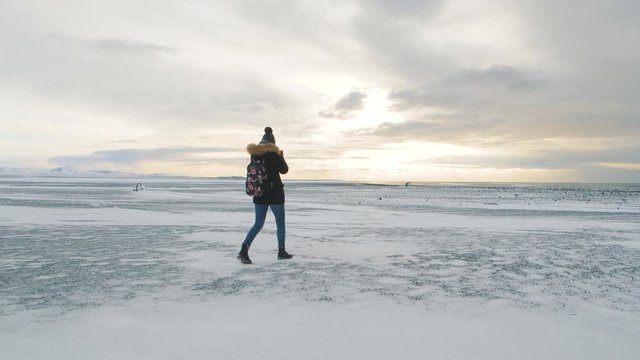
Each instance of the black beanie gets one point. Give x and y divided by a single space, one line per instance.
268 136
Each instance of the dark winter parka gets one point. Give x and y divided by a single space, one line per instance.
276 165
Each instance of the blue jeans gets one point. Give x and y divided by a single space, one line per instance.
261 215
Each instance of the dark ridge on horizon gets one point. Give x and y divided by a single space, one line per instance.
66 172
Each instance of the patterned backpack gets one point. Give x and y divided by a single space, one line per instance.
256 177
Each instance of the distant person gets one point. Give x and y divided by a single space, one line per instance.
273 196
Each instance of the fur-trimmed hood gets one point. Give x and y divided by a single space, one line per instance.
261 149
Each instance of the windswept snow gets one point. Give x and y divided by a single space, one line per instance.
91 269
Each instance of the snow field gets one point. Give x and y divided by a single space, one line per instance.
90 269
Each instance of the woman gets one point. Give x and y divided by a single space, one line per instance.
273 197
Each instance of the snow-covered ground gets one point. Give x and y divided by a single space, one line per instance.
90 269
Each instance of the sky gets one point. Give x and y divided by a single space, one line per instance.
371 90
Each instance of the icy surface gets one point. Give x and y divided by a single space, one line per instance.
560 263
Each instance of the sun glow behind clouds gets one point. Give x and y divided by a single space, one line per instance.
619 165
399 161
375 112
429 161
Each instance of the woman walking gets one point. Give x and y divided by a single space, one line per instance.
273 196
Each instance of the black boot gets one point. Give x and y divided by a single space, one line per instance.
243 255
283 254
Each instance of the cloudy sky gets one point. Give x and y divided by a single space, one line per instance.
386 90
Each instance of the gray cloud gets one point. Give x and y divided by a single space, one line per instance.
497 84
133 156
123 77
251 107
408 8
345 106
128 46
548 159
583 85
352 101
394 43
505 128
442 129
